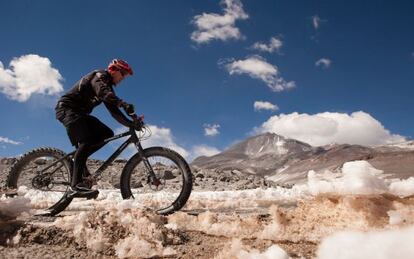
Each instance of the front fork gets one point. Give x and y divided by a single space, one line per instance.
152 178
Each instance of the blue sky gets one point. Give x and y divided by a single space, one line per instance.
334 71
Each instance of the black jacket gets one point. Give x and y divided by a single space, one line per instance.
90 91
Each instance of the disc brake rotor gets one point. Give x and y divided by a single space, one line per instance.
156 184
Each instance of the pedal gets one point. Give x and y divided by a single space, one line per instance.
44 214
93 197
90 196
9 192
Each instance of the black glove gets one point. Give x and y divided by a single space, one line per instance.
128 108
138 123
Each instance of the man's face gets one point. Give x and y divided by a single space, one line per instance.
118 76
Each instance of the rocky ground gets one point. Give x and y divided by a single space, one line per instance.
204 179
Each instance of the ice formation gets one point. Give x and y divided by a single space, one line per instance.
374 244
126 230
358 177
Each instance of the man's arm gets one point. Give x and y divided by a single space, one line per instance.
101 84
118 115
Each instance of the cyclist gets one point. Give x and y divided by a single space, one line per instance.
86 132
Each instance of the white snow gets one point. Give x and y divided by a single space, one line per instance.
11 208
375 244
358 177
280 146
403 187
211 200
395 217
130 232
236 250
328 202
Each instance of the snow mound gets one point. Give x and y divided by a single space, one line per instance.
122 230
11 208
358 177
403 187
375 244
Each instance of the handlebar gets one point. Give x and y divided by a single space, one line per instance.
138 120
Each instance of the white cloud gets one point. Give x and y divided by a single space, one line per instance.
260 105
27 75
274 45
211 130
9 141
163 137
258 68
204 150
159 137
212 26
316 21
323 62
328 127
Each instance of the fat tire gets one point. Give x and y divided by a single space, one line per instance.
168 153
25 159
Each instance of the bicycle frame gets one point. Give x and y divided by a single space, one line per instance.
132 139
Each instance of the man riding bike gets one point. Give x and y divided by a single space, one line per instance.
86 132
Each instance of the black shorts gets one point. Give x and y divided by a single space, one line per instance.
88 129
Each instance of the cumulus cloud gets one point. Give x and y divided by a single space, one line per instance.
211 130
260 105
257 67
329 127
212 26
27 75
204 150
164 137
160 136
316 21
274 45
9 141
323 62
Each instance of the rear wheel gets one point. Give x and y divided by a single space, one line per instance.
35 175
166 194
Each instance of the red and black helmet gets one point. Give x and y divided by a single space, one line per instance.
119 64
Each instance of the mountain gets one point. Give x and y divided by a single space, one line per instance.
285 160
262 154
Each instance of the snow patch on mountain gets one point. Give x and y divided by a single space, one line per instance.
267 145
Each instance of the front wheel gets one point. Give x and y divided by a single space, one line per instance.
172 187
